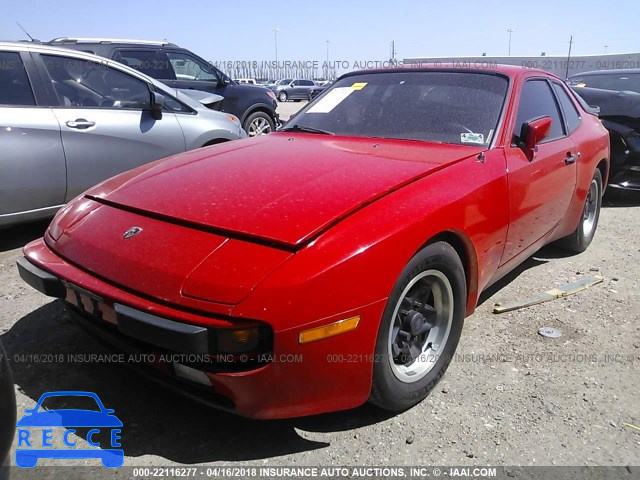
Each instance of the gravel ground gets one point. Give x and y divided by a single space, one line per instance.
511 397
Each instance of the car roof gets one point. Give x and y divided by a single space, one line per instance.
511 71
607 72
92 40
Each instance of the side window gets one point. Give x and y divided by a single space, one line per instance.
296 83
571 115
83 83
191 68
15 88
537 100
307 83
150 62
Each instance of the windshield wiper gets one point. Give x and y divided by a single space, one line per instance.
304 128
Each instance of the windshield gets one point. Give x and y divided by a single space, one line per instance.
609 81
445 107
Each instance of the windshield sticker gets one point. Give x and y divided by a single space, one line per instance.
331 100
359 85
468 137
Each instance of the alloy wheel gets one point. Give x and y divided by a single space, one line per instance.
421 324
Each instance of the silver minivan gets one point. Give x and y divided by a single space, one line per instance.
69 120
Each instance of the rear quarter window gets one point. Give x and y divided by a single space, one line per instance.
571 115
15 89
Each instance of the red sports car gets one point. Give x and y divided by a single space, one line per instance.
332 262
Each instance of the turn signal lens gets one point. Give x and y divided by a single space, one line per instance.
67 217
239 340
330 330
233 118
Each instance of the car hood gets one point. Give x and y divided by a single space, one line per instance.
279 188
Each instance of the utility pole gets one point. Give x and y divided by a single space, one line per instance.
510 32
392 56
605 49
569 57
326 73
275 38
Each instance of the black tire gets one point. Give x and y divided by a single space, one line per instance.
259 123
283 97
388 391
582 236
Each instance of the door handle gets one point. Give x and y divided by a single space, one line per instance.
571 159
80 123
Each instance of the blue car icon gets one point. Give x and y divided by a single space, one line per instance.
68 418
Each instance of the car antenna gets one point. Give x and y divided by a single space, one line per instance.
27 33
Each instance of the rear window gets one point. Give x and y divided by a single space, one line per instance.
445 107
150 62
608 81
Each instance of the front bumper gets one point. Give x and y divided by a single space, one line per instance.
292 380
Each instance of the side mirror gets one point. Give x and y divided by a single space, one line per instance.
157 104
532 133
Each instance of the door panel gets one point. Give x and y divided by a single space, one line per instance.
539 192
296 91
540 188
32 167
32 161
119 141
105 124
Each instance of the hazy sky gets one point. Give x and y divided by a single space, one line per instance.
357 31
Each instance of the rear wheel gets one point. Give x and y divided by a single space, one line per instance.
420 328
581 238
283 97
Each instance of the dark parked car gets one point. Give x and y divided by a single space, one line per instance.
180 68
616 93
293 89
318 89
7 414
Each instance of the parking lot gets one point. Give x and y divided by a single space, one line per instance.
511 397
285 110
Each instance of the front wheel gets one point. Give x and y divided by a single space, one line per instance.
258 123
582 236
420 328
